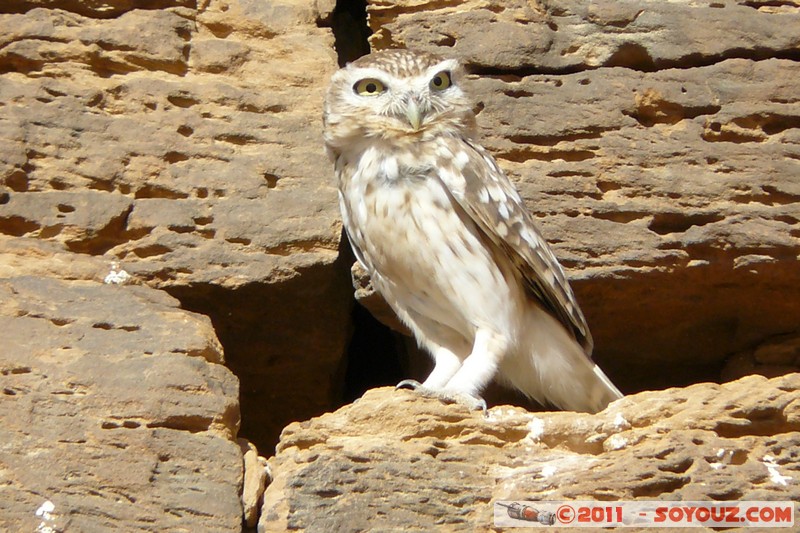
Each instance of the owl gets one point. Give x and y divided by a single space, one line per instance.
447 239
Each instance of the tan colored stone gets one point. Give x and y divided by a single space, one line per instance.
777 356
179 142
395 460
21 256
570 35
255 481
115 409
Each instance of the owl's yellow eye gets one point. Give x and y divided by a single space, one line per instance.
369 87
441 81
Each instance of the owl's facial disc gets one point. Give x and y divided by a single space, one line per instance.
405 101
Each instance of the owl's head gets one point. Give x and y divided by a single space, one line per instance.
396 96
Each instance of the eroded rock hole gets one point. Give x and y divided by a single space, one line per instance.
350 30
285 340
376 356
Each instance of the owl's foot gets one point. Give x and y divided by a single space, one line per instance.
473 403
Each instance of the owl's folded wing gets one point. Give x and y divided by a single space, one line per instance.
489 198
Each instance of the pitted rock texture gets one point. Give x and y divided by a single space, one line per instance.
658 143
395 460
182 140
116 408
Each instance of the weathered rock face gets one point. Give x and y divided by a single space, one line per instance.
116 408
178 143
659 145
394 460
182 141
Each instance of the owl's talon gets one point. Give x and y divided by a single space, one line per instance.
474 403
412 384
482 406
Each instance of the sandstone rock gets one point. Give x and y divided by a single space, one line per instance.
21 256
115 409
201 138
85 221
570 35
777 356
182 142
395 460
255 481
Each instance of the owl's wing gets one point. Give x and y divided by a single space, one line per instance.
491 201
340 172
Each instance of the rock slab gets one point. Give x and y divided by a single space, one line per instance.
116 409
396 461
183 140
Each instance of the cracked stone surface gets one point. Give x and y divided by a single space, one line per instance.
396 460
182 141
174 142
116 408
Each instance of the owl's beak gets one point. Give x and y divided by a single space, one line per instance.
414 114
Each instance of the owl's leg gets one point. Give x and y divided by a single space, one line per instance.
435 337
481 366
468 378
446 364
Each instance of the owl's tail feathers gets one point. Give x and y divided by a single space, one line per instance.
607 392
553 369
584 387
